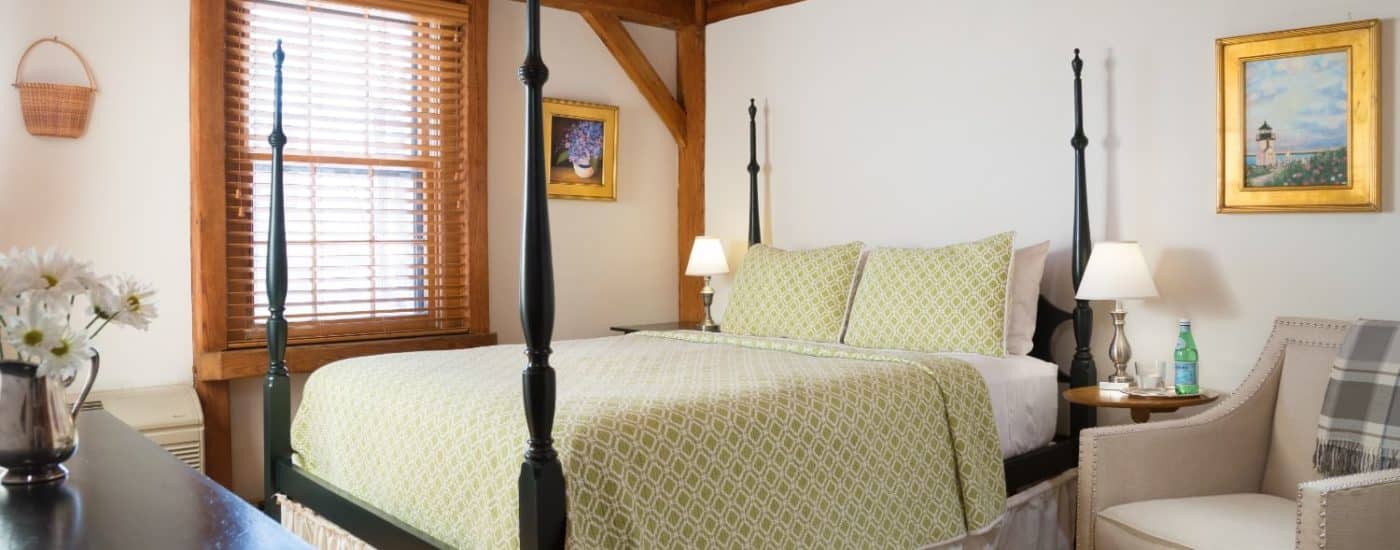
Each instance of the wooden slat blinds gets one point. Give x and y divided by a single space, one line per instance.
373 112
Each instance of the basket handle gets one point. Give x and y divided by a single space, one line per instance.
92 82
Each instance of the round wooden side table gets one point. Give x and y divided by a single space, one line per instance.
1141 407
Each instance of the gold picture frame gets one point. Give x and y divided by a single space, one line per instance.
580 150
1316 91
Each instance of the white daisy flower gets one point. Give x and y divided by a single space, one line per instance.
38 293
13 283
90 279
70 352
102 296
55 276
33 334
124 301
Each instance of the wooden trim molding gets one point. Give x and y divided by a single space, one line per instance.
208 275
218 440
450 9
670 14
719 10
218 366
618 41
207 210
475 125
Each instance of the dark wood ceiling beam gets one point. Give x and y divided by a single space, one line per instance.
618 41
719 10
671 14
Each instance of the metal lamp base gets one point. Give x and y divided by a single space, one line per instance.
1118 350
707 296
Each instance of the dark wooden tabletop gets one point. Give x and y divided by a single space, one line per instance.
672 325
124 491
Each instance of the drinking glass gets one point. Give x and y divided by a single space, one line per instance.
1149 373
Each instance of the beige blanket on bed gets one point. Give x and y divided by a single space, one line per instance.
668 440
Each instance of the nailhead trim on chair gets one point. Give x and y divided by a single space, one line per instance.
1298 518
1251 385
1313 343
1360 481
1322 525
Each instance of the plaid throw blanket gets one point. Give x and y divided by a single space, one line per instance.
1359 429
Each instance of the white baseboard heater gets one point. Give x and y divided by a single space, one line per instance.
168 415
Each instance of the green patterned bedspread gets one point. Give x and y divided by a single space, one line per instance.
669 440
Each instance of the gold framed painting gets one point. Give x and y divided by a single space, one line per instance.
580 149
1300 120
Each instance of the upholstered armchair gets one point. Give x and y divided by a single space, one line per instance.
1240 474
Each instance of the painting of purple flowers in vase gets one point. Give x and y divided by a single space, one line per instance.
582 149
580 145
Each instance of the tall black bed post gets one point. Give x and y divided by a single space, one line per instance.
1082 369
277 398
543 512
755 229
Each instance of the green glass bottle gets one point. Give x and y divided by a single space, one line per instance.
1186 357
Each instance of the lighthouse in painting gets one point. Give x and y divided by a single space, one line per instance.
1265 157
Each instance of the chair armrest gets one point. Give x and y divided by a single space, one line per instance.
1221 450
1355 511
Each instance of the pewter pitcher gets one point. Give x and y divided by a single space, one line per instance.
37 433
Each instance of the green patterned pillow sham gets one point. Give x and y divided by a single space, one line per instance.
950 299
793 294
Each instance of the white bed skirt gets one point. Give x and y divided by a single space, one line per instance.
316 530
1038 518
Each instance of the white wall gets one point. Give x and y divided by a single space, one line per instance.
923 123
120 195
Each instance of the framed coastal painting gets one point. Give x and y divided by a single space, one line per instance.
1300 120
581 149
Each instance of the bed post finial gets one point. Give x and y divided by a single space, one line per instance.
277 397
1082 369
755 228
543 512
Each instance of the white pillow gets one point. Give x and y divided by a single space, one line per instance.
1027 267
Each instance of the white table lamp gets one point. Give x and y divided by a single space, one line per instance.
1117 271
707 259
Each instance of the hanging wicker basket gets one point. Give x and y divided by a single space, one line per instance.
59 110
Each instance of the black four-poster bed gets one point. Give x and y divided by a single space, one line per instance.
543 510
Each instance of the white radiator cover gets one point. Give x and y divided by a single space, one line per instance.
168 415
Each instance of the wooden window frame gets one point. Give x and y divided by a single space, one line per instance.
215 362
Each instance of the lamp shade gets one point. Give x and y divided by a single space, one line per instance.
707 258
1117 271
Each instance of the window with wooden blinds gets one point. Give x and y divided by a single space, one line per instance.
375 198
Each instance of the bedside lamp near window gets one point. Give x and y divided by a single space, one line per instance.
1117 271
707 259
